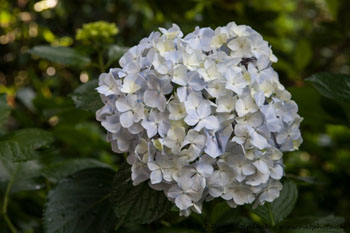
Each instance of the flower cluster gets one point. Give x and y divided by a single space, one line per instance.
97 32
201 116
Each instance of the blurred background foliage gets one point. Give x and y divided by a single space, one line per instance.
307 36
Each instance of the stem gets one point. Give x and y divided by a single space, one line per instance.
206 221
9 223
270 214
110 62
119 223
6 200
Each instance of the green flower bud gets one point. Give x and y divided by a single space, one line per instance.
99 32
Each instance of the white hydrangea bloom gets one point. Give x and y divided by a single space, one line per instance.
202 116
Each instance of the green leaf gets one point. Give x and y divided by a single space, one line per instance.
280 208
302 55
56 171
137 204
26 95
4 109
238 223
312 107
333 7
219 211
86 97
333 86
115 52
22 145
318 230
84 133
177 230
26 175
330 219
328 224
61 55
81 203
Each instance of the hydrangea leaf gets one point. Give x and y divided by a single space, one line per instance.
280 208
333 86
25 175
223 215
115 52
318 230
81 203
177 230
86 97
308 98
61 55
137 204
56 171
22 145
328 224
303 54
4 109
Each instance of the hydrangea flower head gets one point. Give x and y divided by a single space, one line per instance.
201 116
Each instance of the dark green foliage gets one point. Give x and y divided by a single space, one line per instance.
86 97
280 208
328 224
41 66
25 176
81 203
137 204
115 52
302 54
333 86
60 55
4 109
22 144
59 170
